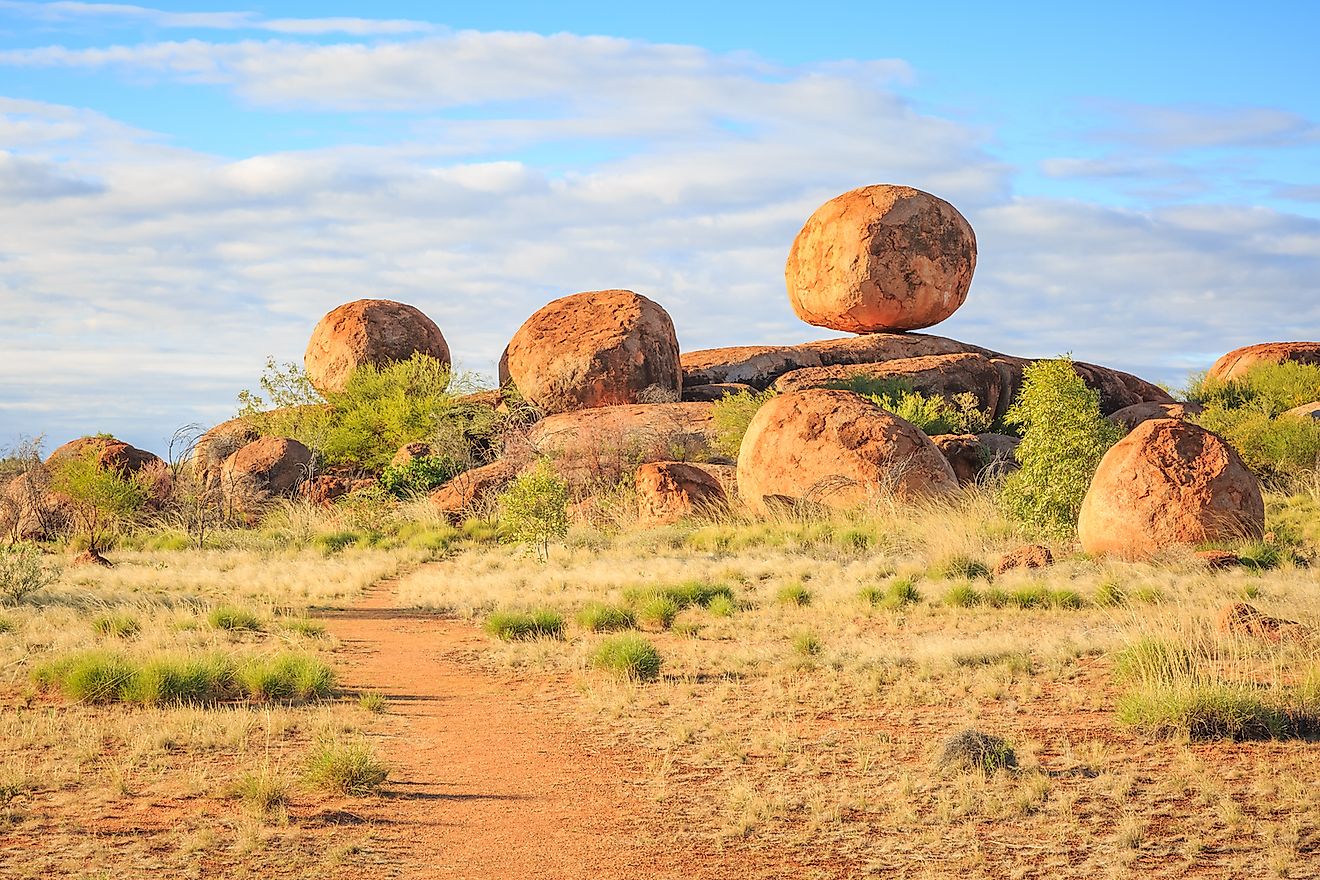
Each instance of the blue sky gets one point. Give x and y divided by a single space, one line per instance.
185 188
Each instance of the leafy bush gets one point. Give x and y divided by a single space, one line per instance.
1269 389
630 656
350 768
101 499
731 415
1064 436
516 626
597 617
534 508
419 475
933 414
23 571
1281 450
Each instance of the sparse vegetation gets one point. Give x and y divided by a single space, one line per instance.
23 573
731 415
932 414
234 619
534 508
629 656
513 626
598 617
351 768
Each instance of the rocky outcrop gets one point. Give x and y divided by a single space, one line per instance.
1169 483
265 467
110 454
881 258
593 349
667 491
473 488
216 445
368 331
326 489
1240 360
974 456
600 446
836 449
754 365
1131 416
947 375
1028 556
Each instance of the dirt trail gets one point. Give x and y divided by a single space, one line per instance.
489 779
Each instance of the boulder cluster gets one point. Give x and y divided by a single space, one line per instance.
617 399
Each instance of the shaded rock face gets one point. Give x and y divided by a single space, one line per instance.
111 454
1025 557
600 446
973 456
760 366
368 331
326 489
703 393
1239 360
1131 416
667 491
1243 620
473 487
881 258
593 349
216 445
1169 483
836 449
264 467
944 374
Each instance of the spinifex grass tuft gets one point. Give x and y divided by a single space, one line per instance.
629 656
521 626
350 768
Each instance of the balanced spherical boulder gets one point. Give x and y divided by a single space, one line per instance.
1169 483
599 348
881 258
267 466
837 449
1240 360
667 491
368 331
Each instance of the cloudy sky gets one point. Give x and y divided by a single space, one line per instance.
185 190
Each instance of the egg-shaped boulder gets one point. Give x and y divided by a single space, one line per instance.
881 258
1169 483
836 449
267 466
592 349
368 331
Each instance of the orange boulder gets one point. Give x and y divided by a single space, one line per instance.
368 331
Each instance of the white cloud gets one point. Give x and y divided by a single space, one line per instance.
69 11
1190 127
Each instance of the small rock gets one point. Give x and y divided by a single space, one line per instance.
1241 619
1027 556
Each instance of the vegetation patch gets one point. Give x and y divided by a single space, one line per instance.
351 768
119 626
231 618
629 656
977 751
522 626
598 617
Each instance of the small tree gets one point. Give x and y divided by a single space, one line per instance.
198 505
1064 436
534 509
101 499
22 573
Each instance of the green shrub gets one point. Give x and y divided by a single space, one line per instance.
962 596
1262 556
350 768
730 416
86 677
807 644
1270 389
1210 711
330 543
534 508
120 626
231 618
722 606
629 656
171 681
794 594
23 572
1064 436
960 567
521 626
285 678
1281 450
658 611
419 475
100 500
932 414
598 617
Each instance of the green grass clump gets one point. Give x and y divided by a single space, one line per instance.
175 681
1110 594
1148 595
996 598
960 567
658 611
312 629
87 677
230 618
974 750
807 644
684 595
794 594
263 791
7 625
962 596
1212 710
373 702
629 656
722 606
119 626
330 543
1151 660
350 768
523 626
598 617
1262 556
286 678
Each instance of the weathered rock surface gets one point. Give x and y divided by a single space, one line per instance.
368 331
754 365
945 374
216 445
881 258
602 445
32 512
837 449
1239 360
1131 416
474 487
410 451
1027 556
975 455
1169 483
667 491
1243 620
593 349
267 466
326 489
111 454
704 393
